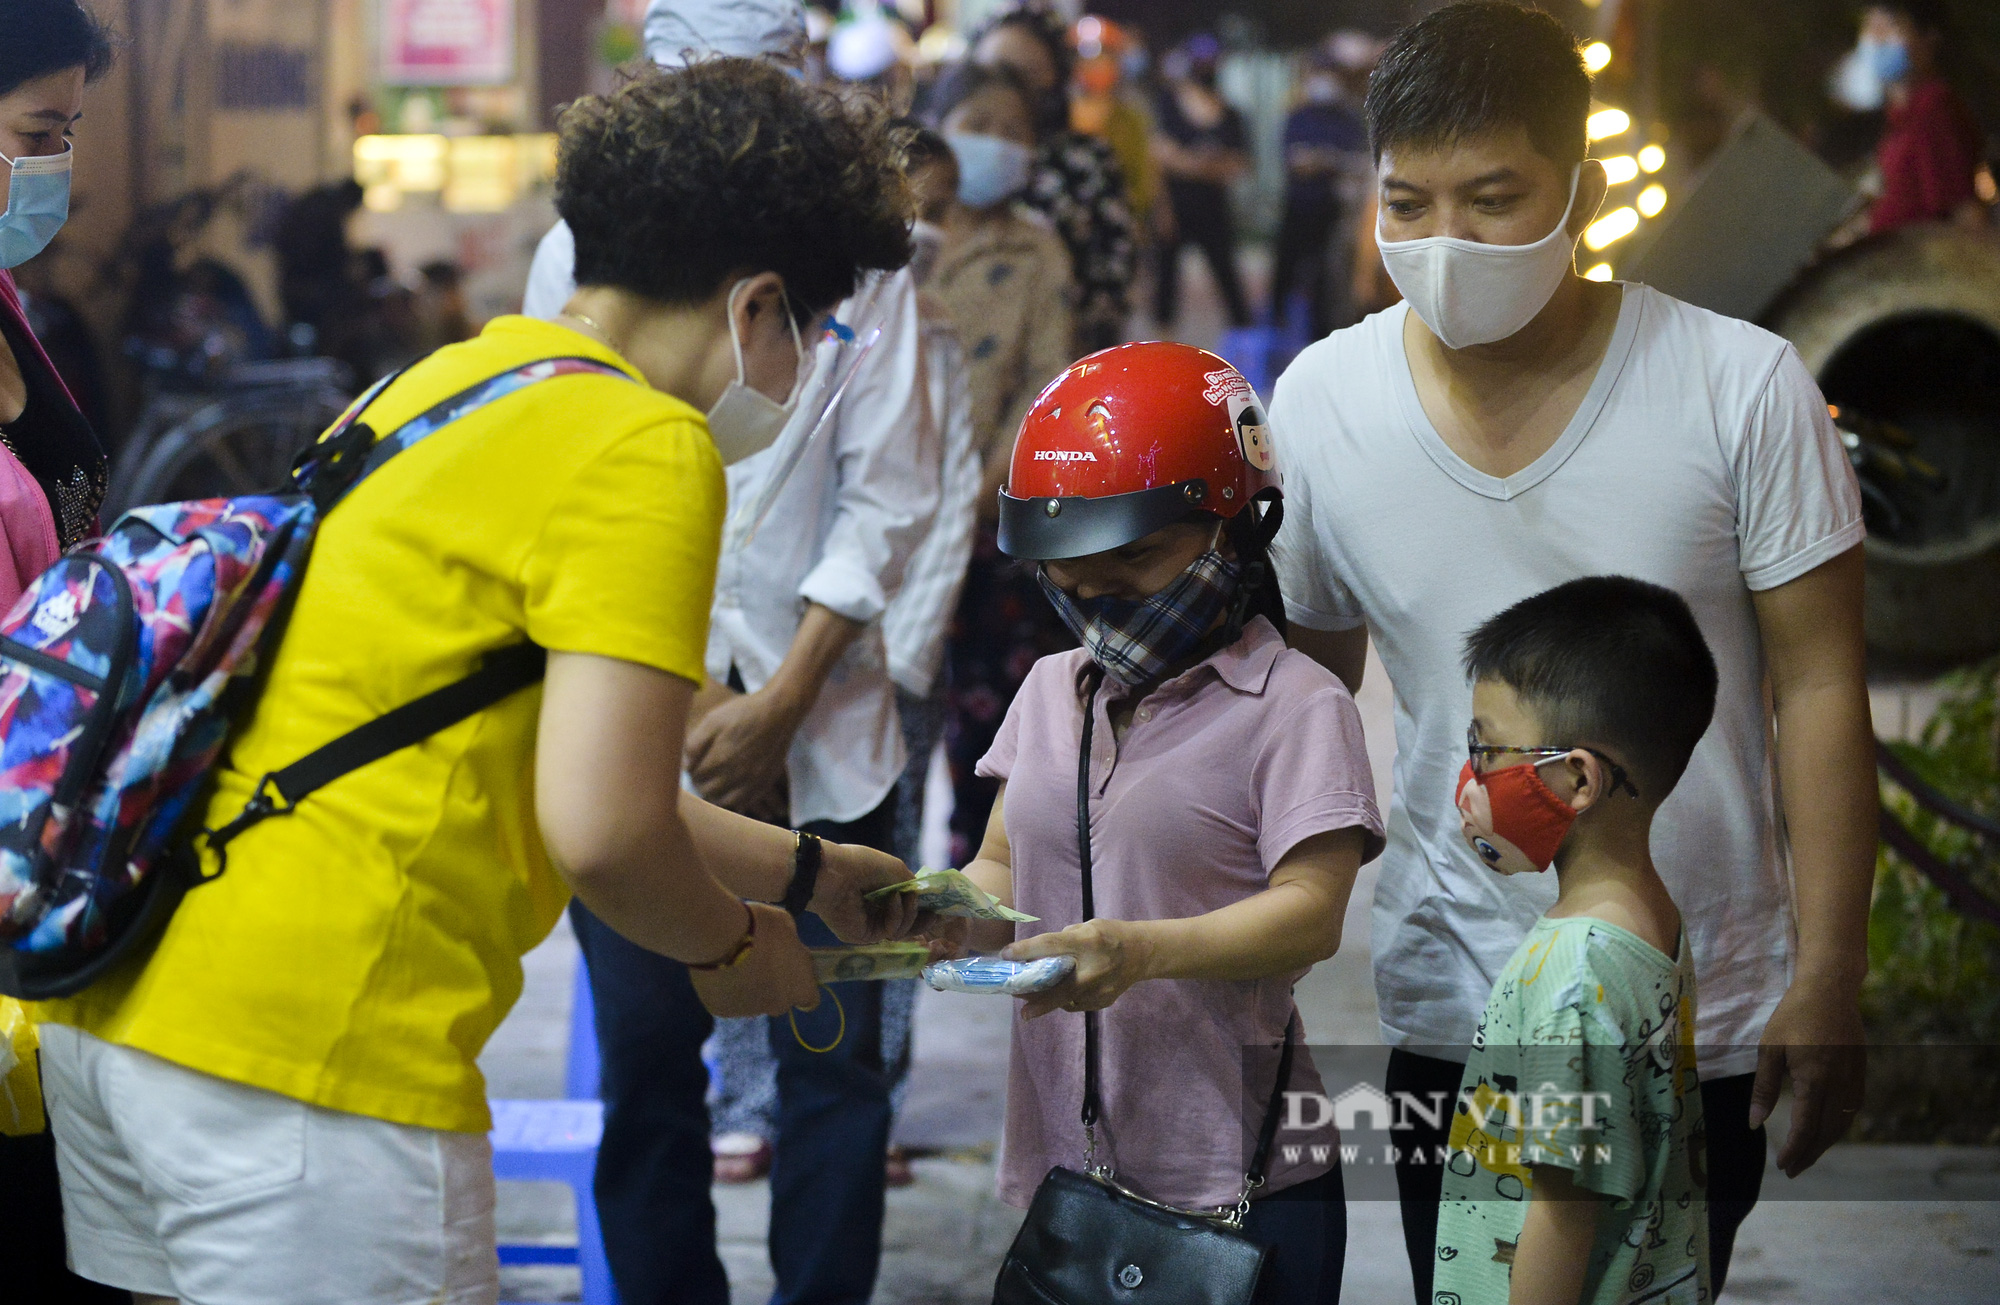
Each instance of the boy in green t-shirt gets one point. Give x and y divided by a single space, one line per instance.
1575 1170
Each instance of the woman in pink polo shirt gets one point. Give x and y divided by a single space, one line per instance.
1228 796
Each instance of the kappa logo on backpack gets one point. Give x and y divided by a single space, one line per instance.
124 666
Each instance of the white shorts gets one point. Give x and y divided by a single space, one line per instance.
181 1184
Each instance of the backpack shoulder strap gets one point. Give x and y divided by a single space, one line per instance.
502 674
350 451
348 454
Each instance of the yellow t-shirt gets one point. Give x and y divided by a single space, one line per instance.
358 953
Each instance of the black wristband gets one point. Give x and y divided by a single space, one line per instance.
806 859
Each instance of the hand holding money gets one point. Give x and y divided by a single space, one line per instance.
950 892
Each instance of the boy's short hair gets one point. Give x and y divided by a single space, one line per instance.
1481 66
1610 662
679 180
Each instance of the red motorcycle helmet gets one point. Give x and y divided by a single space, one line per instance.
1129 440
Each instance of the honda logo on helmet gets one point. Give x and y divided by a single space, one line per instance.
1064 455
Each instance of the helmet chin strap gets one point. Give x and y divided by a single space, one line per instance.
1252 538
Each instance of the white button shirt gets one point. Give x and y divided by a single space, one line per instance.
840 533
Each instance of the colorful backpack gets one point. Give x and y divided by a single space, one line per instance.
122 670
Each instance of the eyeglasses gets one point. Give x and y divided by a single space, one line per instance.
1481 753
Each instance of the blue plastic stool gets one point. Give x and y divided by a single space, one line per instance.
556 1141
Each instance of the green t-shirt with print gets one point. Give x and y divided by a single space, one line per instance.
1584 1060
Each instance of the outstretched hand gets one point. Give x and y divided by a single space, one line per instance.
1111 956
847 873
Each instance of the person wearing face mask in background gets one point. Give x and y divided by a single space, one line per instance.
1930 151
1106 105
797 723
1005 282
1587 702
52 469
1077 181
1511 426
52 473
1230 807
1202 147
1324 140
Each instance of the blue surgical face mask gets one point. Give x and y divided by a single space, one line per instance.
1891 60
37 205
991 169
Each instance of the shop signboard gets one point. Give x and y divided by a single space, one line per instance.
447 42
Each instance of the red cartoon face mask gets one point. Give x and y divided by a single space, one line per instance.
1513 820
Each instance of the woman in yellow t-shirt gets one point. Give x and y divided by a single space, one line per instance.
281 1105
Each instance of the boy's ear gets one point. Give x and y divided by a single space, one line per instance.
1589 777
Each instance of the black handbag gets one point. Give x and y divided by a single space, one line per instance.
1089 1241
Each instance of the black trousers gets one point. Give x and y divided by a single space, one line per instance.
31 1212
1300 264
1201 216
1306 1228
654 1165
1735 1163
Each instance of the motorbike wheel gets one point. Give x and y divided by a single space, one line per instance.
1905 329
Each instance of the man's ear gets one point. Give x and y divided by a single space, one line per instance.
1592 185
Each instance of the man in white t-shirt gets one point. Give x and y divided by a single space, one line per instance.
1512 426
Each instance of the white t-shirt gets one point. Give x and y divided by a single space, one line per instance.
1702 459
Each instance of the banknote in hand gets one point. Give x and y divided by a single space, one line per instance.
890 960
949 892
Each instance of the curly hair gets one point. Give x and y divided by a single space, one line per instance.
682 180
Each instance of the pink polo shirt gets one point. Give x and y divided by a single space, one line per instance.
1224 770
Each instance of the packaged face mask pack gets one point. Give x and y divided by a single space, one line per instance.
990 974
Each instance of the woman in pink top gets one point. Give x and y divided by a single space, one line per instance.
52 470
1229 804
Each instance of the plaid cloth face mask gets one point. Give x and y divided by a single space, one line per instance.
1136 643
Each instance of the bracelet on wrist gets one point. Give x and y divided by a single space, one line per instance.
808 853
740 950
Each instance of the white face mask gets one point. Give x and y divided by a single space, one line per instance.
1469 293
746 421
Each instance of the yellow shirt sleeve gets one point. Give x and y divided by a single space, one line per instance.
625 563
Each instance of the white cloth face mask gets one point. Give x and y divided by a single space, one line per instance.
1471 293
745 421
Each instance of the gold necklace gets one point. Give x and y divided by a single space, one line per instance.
593 324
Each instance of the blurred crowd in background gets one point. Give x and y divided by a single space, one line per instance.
1162 149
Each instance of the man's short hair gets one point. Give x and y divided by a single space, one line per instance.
1477 67
680 180
1607 662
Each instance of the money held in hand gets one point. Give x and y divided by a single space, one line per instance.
991 974
892 960
949 892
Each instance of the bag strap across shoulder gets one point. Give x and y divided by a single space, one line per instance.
329 470
350 452
1093 1105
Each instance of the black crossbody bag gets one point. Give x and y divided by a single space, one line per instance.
1089 1241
